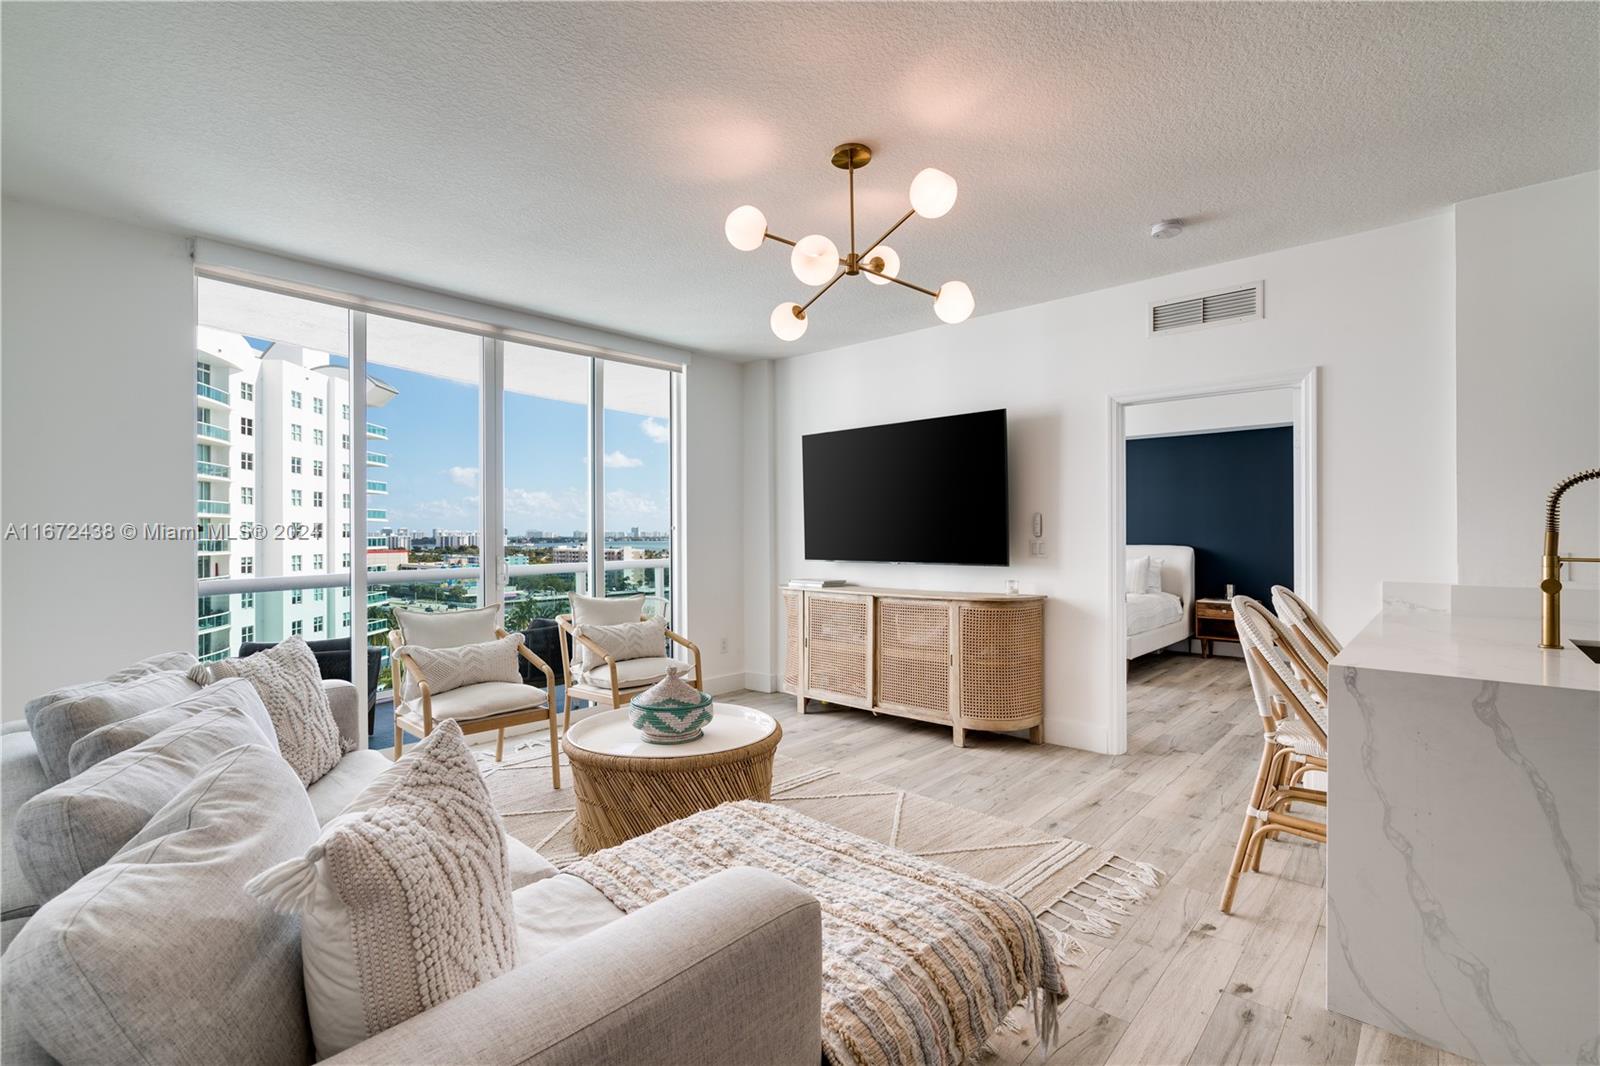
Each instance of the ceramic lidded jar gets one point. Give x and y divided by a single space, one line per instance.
671 711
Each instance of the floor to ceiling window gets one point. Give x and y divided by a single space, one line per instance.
467 469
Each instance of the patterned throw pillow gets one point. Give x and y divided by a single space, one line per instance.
630 640
470 664
288 681
403 905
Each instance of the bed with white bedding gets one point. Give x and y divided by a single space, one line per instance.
1160 590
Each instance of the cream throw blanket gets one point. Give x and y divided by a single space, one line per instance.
919 963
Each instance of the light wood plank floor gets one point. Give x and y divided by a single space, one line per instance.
1186 983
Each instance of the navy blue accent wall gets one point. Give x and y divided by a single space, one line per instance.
1229 495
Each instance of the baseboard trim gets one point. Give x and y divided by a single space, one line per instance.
758 682
1077 733
723 684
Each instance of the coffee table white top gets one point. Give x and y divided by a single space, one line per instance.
731 726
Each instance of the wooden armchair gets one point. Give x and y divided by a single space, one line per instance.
617 681
480 708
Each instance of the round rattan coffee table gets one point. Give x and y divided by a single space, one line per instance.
626 786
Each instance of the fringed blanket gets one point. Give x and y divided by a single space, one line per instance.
919 963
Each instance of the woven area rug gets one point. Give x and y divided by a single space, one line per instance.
1084 892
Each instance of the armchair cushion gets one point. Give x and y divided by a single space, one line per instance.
481 700
446 669
631 673
602 611
442 629
625 640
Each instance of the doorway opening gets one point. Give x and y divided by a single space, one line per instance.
1223 493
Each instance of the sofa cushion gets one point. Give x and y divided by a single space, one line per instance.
554 911
631 673
287 680
403 905
21 779
77 826
160 956
601 611
115 737
57 719
451 668
333 792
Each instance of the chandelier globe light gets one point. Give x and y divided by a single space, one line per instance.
816 261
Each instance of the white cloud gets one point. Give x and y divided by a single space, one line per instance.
624 507
659 432
465 476
619 461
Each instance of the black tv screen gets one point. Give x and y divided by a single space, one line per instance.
929 491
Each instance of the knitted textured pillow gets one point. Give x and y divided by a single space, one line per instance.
630 640
288 681
403 905
470 664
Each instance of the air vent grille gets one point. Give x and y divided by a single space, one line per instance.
1206 310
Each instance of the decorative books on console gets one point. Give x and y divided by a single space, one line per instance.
671 711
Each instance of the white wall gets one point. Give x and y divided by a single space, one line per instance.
1207 414
713 514
1527 375
1387 445
98 399
761 657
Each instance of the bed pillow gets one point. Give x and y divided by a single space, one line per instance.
67 831
428 860
59 719
117 737
470 664
1152 580
159 955
1138 573
629 640
289 682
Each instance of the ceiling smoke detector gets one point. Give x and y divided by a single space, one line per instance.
1167 228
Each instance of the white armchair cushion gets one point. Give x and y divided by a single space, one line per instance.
442 629
631 673
626 640
451 668
480 701
599 611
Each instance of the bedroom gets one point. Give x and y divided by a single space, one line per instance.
1211 496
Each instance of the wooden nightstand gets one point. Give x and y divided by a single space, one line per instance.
1213 621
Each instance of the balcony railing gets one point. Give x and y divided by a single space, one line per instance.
210 432
378 542
377 625
378 516
378 486
214 656
205 469
377 459
210 392
377 432
211 506
211 547
213 621
377 596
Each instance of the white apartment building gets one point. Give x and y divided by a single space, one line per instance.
274 474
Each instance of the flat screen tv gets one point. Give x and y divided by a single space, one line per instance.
929 491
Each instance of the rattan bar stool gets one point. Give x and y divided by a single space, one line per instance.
1316 639
1292 702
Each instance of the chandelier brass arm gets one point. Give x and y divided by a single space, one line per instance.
815 259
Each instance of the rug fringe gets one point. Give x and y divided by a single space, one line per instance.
1092 905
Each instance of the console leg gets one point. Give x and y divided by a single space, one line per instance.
800 703
1036 734
958 735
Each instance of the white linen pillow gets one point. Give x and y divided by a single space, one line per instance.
1152 581
61 718
116 737
470 664
1138 573
289 682
428 857
628 640
443 629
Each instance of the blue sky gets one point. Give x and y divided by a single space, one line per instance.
433 460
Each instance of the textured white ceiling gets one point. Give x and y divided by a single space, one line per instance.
578 159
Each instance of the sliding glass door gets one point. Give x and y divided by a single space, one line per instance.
465 468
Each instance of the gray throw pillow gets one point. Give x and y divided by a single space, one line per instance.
117 737
287 679
160 956
66 831
58 719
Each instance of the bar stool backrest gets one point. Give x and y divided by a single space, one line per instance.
1278 665
1306 624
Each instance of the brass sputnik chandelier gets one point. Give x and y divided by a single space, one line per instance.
816 259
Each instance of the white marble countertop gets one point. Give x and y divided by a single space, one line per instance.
1479 647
